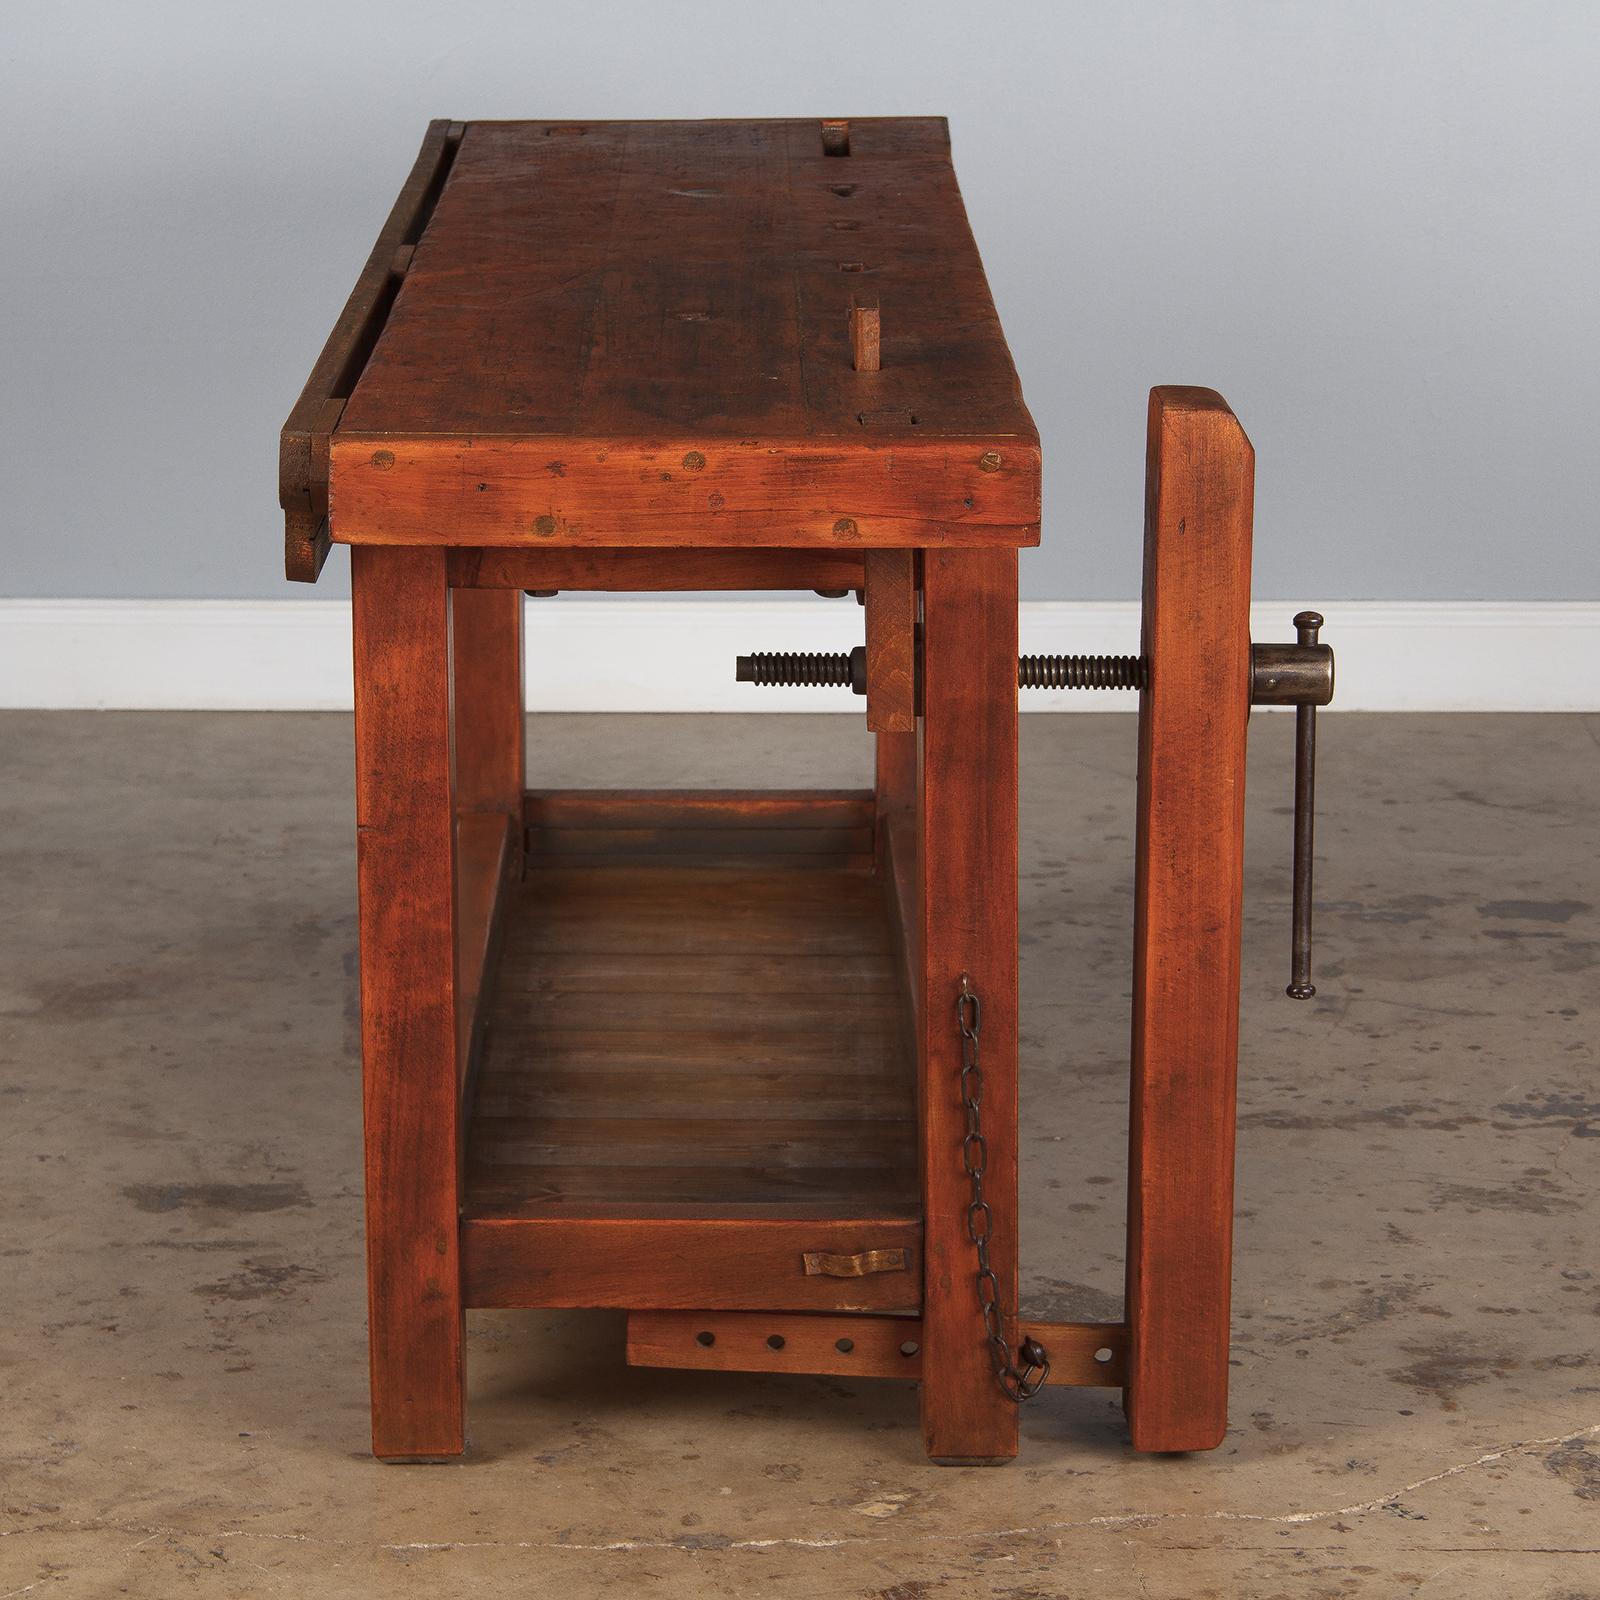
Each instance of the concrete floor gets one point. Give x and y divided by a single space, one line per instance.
1416 1404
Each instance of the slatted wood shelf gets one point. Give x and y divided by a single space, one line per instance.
693 1052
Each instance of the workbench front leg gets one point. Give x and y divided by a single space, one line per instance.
1187 918
969 925
405 813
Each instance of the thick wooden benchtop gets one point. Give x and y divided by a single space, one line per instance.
635 333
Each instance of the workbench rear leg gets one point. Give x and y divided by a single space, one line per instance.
969 925
1188 893
486 630
891 597
405 817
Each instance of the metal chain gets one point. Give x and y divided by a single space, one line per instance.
1023 1382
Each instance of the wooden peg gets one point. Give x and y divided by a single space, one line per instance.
864 338
835 136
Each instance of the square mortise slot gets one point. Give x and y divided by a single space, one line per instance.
892 418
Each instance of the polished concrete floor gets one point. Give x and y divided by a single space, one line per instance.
1416 1403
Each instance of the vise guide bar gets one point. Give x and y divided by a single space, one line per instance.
744 1064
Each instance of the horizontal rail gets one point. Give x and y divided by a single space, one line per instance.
643 571
1082 1354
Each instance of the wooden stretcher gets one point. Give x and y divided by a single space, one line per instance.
699 1055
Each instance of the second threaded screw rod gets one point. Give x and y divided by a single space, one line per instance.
811 669
1080 672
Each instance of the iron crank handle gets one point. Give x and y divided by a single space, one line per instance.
1301 675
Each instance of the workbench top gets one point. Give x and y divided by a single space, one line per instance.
626 333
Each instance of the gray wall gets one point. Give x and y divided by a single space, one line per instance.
1373 226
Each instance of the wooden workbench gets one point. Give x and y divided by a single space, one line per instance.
693 1055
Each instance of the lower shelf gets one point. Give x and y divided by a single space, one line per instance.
694 1070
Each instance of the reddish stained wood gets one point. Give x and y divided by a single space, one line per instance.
891 606
650 1262
866 332
698 808
969 925
486 639
659 351
406 874
494 490
835 136
672 1039
848 1346
645 571
753 1341
1188 892
484 856
303 443
1082 1354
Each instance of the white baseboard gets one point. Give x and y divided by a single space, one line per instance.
677 655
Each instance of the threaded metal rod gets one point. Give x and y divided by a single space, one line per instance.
838 670
805 669
1080 672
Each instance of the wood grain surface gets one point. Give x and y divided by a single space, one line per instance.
637 334
968 903
1082 1354
406 835
1187 911
304 441
694 1069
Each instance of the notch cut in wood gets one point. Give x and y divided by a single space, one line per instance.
865 343
835 136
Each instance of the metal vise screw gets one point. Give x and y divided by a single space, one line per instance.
1298 675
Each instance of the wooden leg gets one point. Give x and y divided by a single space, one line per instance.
969 925
405 817
895 784
486 629
891 605
1188 891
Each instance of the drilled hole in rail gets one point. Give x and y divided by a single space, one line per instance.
776 1341
843 190
910 1347
844 1346
707 1339
1104 1354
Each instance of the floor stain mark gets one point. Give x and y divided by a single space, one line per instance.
1534 910
1577 1465
235 1197
256 1281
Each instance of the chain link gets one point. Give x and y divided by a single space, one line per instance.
1023 1382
